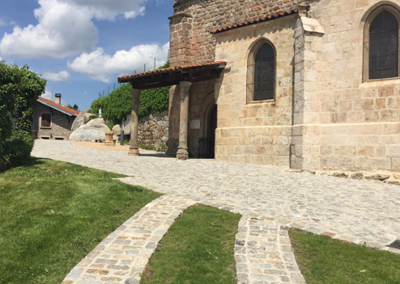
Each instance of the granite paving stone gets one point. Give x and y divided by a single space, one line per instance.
270 199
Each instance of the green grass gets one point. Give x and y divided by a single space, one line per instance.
52 214
198 248
323 260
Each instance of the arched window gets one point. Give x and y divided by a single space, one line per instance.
261 72
381 44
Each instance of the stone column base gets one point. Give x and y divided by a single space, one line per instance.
133 151
182 153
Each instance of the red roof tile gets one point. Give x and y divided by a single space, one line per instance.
167 70
255 21
64 108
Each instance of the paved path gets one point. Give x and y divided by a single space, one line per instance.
123 255
352 210
263 253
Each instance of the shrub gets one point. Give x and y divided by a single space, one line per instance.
17 149
19 90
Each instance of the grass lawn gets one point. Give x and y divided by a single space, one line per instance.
327 261
198 248
52 214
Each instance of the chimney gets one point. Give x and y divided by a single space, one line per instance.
58 99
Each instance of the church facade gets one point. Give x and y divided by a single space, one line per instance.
307 85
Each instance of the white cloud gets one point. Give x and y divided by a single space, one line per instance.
47 95
101 67
109 10
2 22
65 27
61 76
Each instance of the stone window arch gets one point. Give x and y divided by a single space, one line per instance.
381 44
261 72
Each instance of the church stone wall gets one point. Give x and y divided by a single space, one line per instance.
256 132
326 117
191 40
341 122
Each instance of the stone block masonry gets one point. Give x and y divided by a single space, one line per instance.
256 131
191 40
339 119
342 120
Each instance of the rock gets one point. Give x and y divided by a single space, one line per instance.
340 175
131 281
145 126
394 182
126 126
162 123
117 129
357 176
93 130
396 175
81 119
380 177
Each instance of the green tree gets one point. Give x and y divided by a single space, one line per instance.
75 106
116 106
19 90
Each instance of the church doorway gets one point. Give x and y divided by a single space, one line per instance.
207 142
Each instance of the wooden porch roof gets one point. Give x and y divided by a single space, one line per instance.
172 76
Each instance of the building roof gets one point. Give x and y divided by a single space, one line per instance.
173 75
63 109
256 21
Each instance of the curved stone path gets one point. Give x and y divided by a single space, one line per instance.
123 255
352 210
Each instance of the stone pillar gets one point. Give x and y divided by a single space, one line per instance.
133 148
182 152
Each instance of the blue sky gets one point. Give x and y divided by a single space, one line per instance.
82 46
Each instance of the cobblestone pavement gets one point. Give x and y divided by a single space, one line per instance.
263 253
123 255
352 210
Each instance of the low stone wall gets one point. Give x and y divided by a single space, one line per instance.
154 130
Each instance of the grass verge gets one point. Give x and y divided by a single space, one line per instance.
52 214
198 248
324 260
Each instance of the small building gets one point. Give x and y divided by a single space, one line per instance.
52 120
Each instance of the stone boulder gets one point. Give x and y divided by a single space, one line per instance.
93 130
127 125
117 130
81 119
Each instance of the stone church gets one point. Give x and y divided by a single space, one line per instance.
308 85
